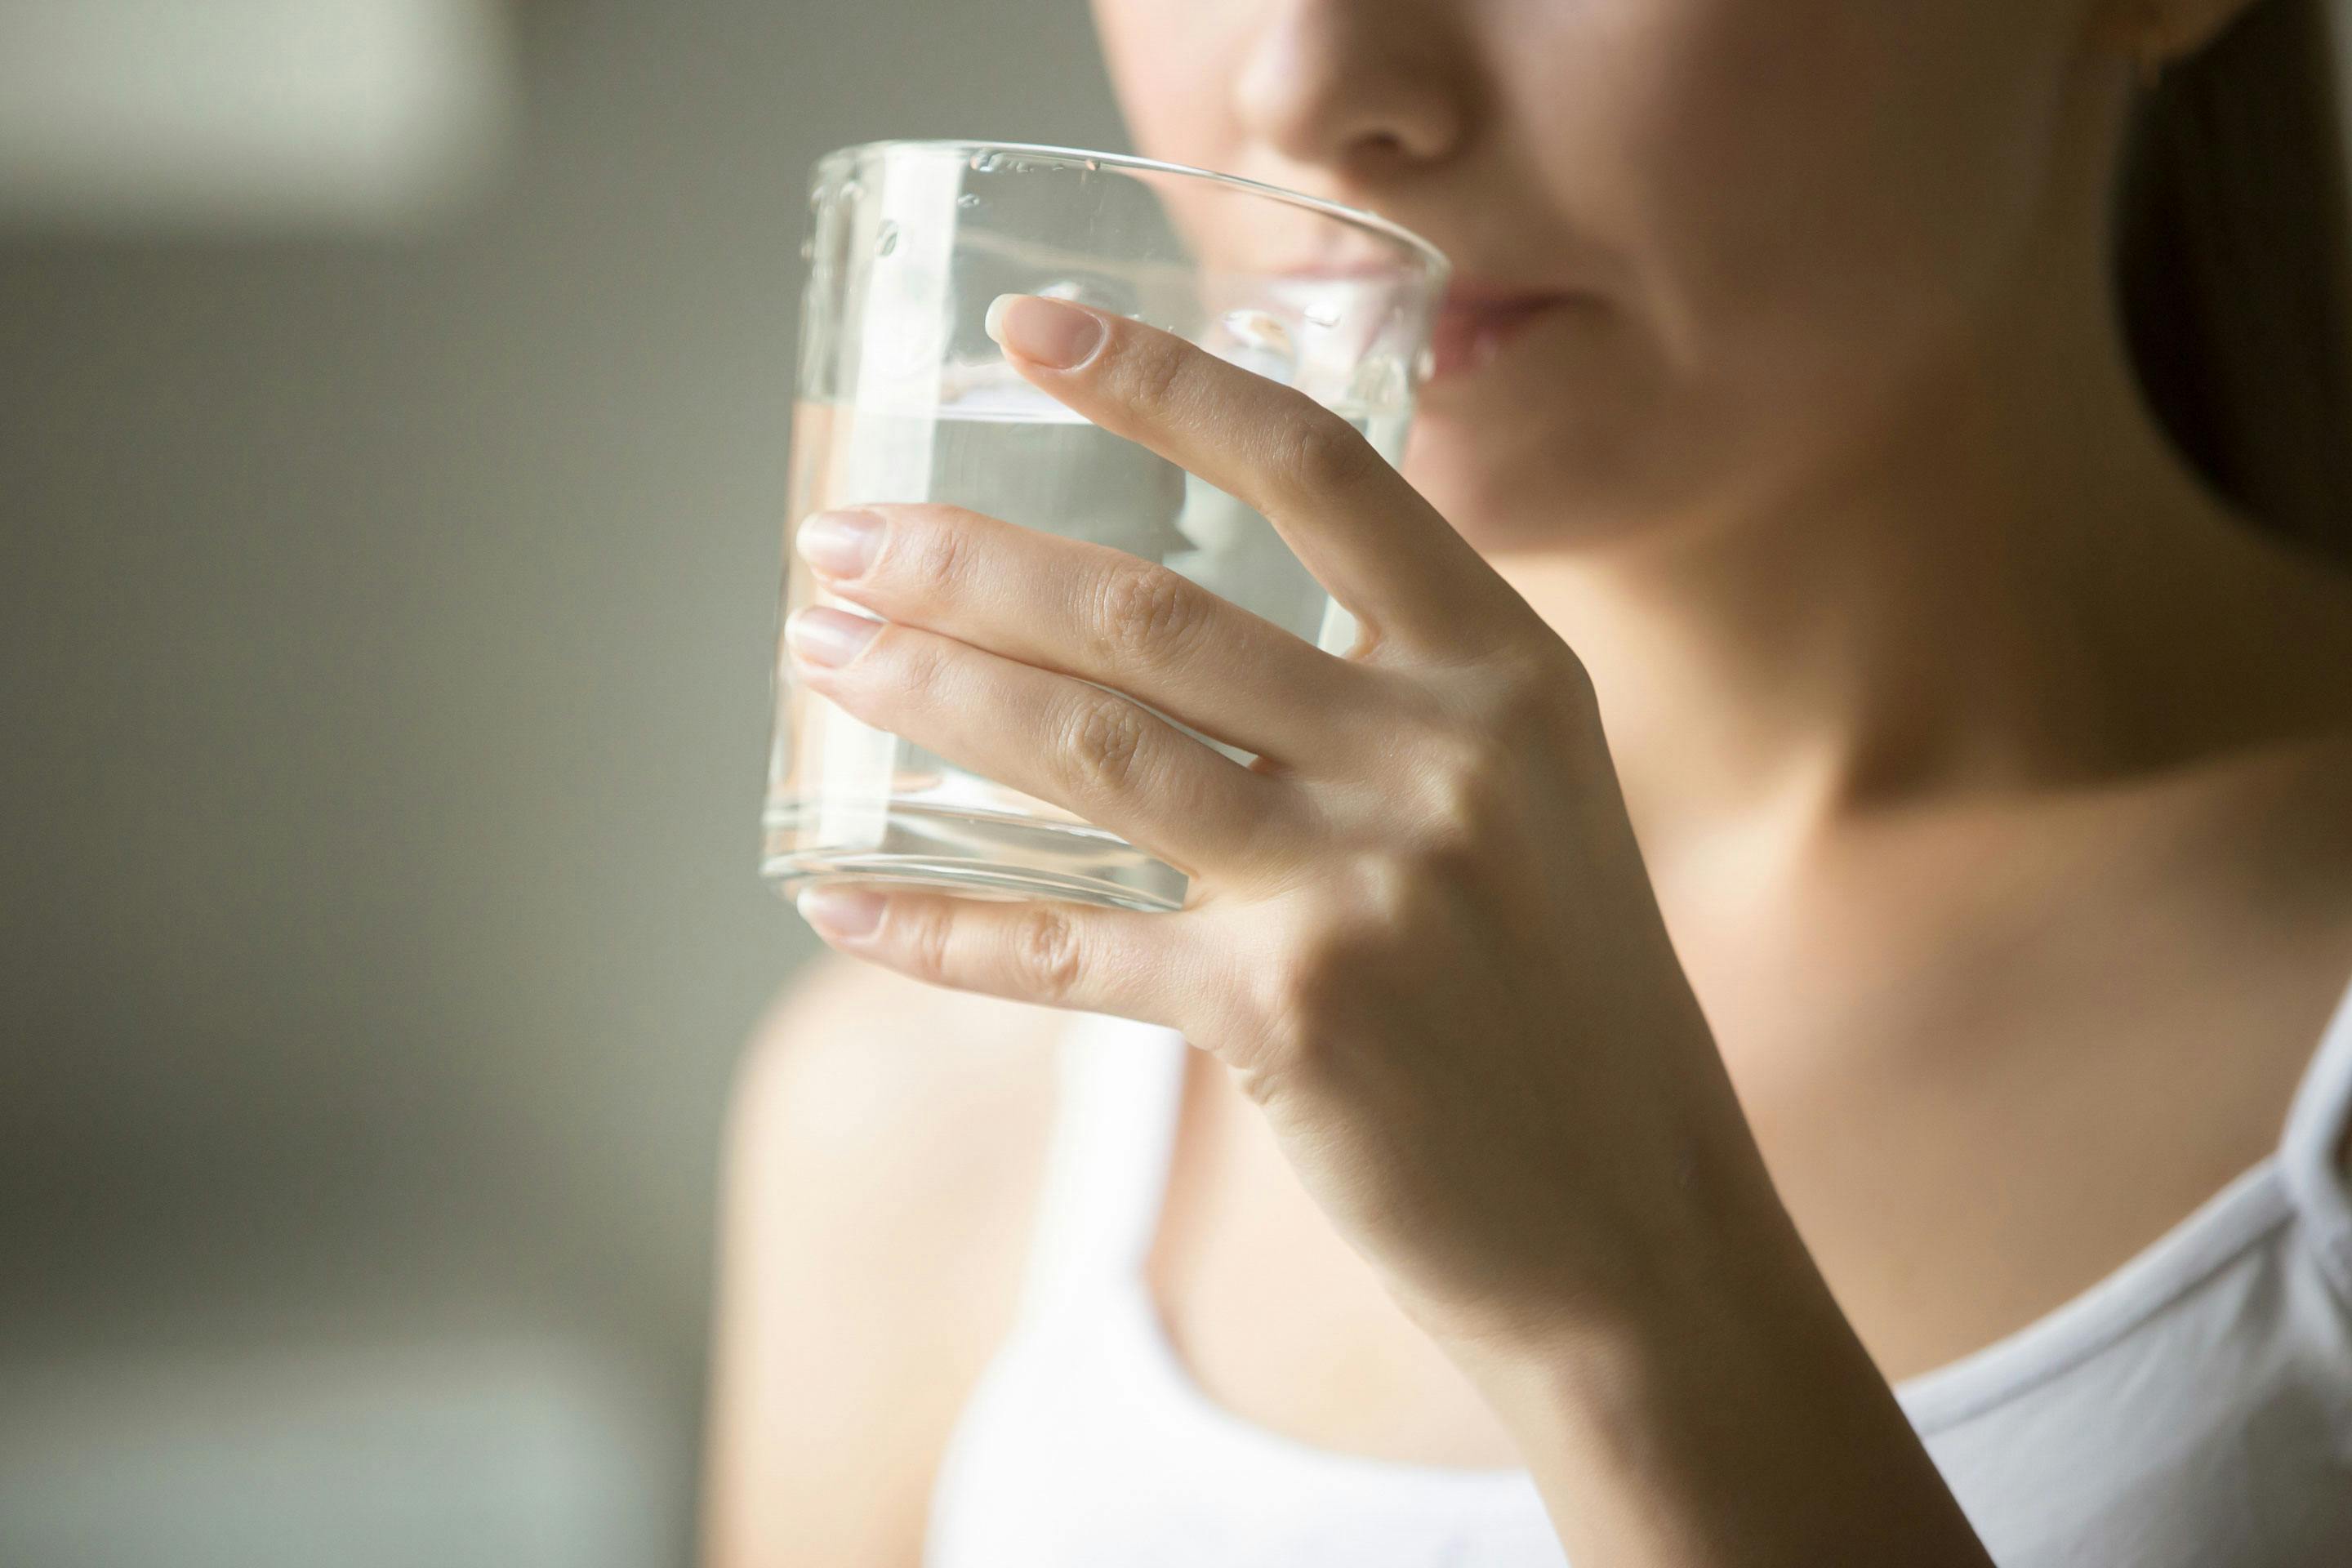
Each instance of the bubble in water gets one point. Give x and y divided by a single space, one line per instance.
886 239
1258 329
1094 165
1322 313
968 200
983 162
808 248
851 190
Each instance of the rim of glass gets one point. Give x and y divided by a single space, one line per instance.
1081 155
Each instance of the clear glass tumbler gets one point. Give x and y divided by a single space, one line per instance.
902 396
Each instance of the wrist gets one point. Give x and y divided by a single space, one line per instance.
1719 1409
1692 1245
1713 1276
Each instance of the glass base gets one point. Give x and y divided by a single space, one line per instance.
976 854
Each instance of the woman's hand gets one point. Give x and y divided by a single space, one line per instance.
1418 930
1420 933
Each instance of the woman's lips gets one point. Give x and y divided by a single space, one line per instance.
1471 326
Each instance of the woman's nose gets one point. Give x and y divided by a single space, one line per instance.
1340 83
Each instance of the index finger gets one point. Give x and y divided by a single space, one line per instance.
1368 537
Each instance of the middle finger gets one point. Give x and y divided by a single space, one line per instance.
1088 609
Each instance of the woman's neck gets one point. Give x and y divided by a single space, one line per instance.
2011 582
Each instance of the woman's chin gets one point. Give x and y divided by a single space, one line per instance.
1506 494
1545 446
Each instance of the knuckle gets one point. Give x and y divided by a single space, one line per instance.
1397 895
927 942
917 665
1046 949
1455 848
939 566
1326 453
1468 835
1155 375
1146 613
1465 754
1106 737
1468 791
1514 706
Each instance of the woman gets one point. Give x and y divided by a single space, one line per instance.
1751 1020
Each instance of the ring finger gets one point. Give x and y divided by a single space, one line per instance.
1096 753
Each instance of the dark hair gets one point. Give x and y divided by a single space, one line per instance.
2235 280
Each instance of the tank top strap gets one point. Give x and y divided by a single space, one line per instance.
2310 1151
1119 1087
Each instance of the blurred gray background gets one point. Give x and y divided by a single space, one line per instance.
392 405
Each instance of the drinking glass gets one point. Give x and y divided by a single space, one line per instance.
900 395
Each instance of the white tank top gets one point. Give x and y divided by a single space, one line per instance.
2193 1407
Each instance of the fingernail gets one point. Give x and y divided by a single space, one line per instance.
1057 336
841 543
840 912
826 636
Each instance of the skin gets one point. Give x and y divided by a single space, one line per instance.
1821 771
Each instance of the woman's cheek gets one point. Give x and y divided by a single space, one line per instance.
1804 193
1171 64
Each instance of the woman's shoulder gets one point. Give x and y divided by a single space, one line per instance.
873 1052
890 1136
884 1143
857 1064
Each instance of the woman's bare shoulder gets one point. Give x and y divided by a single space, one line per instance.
885 1147
856 1059
901 1122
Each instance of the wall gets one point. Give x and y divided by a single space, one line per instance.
385 637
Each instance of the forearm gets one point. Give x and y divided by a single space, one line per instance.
1732 1420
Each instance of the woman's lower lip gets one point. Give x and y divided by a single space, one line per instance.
1466 337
